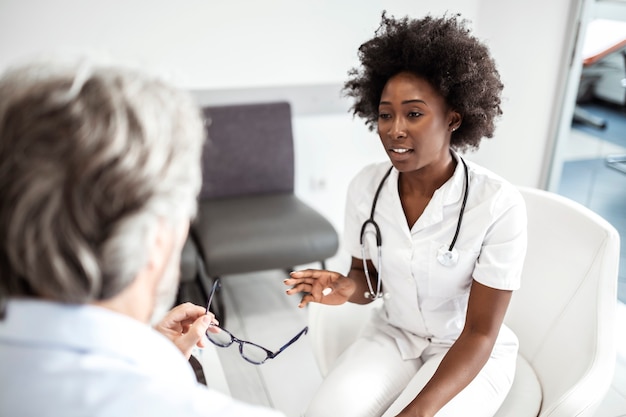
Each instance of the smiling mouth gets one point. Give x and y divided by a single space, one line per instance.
400 150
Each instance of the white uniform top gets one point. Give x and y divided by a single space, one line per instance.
79 360
426 301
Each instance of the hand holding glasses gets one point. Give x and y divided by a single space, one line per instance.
251 352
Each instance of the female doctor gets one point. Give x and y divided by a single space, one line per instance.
441 240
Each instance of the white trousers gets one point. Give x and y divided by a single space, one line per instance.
370 379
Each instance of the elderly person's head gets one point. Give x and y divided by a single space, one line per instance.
99 173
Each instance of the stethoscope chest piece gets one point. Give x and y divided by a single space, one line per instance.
447 257
373 296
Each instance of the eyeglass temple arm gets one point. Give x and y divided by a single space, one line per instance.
272 355
216 285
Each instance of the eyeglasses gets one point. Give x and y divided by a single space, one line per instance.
251 352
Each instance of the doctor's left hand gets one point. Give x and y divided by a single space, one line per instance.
185 325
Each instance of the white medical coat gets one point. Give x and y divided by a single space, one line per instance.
426 302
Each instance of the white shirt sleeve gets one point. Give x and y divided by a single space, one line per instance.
499 264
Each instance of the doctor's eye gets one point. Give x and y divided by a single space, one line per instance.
414 114
382 115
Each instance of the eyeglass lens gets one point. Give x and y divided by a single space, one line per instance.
249 351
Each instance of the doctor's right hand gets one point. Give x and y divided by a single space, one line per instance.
320 286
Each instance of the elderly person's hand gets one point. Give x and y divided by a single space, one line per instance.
185 325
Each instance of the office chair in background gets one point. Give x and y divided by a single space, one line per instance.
249 218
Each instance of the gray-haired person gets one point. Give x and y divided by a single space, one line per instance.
99 173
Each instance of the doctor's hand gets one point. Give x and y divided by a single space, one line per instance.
320 286
185 325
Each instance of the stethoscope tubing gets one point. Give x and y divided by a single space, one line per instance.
379 239
462 212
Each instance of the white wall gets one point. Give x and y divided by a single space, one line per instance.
531 41
209 43
274 48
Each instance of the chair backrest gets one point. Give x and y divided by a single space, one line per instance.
564 313
249 150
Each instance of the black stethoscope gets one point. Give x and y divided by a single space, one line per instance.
447 254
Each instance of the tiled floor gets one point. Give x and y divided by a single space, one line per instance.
259 311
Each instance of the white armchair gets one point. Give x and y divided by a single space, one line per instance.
563 315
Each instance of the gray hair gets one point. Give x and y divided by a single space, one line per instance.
92 158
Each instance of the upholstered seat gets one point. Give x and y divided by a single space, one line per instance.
271 231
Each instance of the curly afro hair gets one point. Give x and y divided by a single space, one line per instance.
443 52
